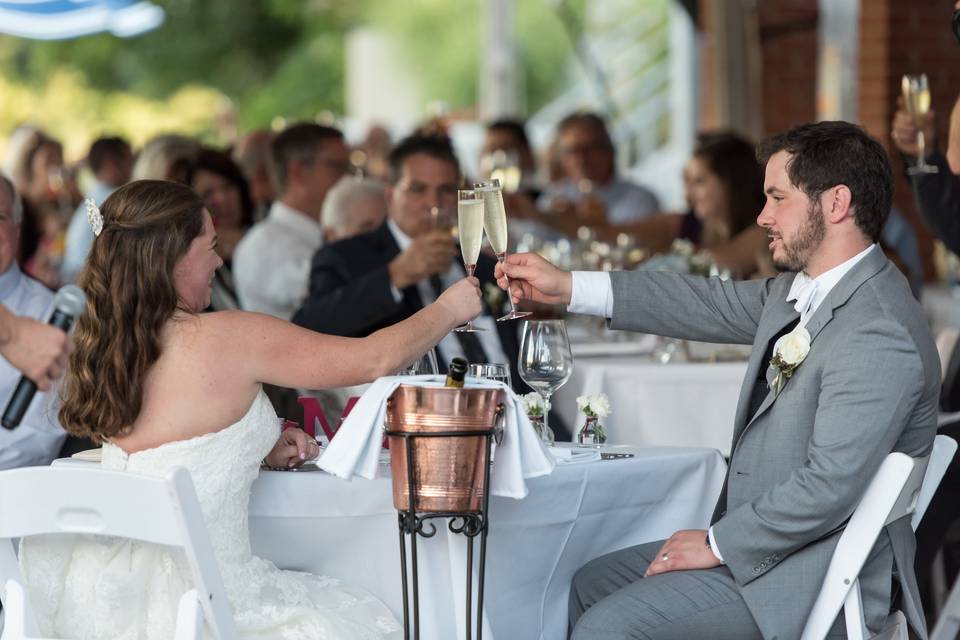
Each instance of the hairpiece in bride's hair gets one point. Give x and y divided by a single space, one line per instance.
93 216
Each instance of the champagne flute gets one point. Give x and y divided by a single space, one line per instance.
545 362
470 223
916 99
495 224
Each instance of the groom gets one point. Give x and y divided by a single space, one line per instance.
810 431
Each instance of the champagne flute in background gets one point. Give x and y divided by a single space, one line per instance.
545 362
470 223
495 224
916 100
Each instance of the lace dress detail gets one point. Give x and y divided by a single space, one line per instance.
88 587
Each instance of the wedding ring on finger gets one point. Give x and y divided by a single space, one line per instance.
664 557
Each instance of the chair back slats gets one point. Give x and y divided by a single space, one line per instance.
901 487
157 510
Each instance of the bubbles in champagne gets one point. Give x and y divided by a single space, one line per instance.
494 219
470 221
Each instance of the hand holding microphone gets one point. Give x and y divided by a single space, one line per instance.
40 351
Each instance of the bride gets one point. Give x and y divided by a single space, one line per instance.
161 385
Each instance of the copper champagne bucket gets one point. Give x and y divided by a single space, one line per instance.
448 471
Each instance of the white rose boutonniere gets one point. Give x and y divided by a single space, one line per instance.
788 354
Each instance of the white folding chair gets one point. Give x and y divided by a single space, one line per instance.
84 500
902 486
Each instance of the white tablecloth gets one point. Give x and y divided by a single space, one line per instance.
315 522
653 404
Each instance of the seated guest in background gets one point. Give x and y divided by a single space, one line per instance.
252 155
166 157
111 162
219 181
174 387
38 438
510 138
370 281
353 206
271 265
590 188
864 383
49 195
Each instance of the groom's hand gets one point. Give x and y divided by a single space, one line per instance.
684 550
533 278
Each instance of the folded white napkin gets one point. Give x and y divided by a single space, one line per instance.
574 455
356 449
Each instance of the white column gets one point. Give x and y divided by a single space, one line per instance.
499 94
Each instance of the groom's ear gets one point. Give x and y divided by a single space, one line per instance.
836 204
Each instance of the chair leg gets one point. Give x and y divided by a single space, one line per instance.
938 582
949 621
189 617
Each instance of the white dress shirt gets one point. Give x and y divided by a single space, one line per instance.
449 347
592 293
271 264
39 437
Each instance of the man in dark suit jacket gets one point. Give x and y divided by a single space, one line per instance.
367 282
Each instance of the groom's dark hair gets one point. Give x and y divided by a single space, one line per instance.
826 154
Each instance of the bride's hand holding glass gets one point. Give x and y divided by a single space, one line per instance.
462 300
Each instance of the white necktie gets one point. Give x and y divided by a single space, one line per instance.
805 296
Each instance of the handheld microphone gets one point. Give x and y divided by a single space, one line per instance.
67 305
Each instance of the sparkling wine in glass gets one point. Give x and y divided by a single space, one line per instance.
470 222
495 224
916 100
545 362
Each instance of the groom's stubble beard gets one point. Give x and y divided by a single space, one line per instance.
797 253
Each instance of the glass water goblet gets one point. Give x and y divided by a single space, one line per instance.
490 371
470 233
495 224
916 100
545 362
423 365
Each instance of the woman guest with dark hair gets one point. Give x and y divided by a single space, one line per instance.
219 181
162 385
724 185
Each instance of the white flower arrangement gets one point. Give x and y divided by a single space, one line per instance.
533 404
594 406
789 352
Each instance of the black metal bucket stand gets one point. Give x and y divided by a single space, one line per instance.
469 524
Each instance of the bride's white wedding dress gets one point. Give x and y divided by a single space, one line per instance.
95 587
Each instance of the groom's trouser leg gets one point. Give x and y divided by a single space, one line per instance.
611 600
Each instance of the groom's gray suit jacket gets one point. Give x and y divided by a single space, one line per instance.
800 463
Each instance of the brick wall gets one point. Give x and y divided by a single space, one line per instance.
788 41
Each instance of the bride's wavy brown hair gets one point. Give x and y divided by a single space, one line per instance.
148 226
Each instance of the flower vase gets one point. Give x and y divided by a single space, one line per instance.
591 434
538 426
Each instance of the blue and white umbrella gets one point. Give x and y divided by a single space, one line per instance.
64 19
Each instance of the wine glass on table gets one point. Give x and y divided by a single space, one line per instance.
495 224
916 100
470 223
490 371
545 362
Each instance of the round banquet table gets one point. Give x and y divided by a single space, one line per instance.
312 521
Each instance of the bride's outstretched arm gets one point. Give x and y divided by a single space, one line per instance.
281 353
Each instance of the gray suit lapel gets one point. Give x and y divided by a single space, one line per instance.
869 266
